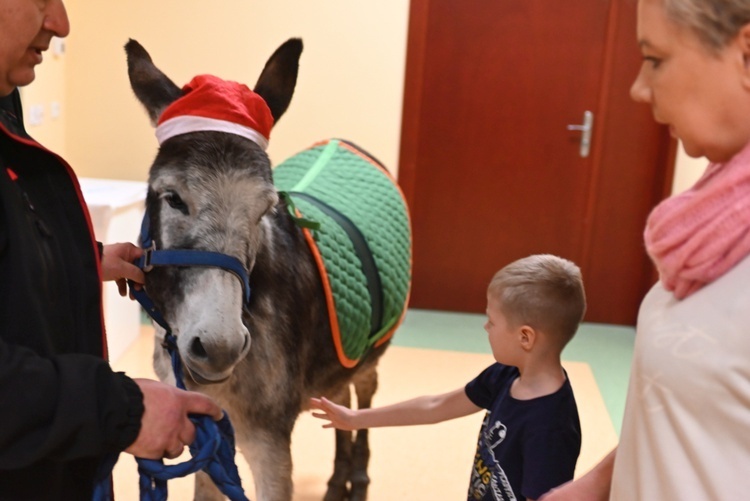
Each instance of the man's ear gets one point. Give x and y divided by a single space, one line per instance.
527 336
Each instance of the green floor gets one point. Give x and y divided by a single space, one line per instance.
607 349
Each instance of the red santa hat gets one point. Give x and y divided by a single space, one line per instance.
209 103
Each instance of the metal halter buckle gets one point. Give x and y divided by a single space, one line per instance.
147 266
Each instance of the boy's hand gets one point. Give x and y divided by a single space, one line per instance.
339 416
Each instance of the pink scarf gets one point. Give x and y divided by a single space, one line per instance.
697 236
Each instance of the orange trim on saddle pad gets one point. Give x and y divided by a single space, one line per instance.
330 303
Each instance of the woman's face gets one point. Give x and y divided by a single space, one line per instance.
701 95
26 29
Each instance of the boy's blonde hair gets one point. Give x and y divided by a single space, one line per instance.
544 292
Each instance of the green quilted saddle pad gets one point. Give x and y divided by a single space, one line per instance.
362 244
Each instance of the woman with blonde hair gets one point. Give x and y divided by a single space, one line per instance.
686 429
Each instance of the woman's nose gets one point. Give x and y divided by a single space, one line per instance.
639 91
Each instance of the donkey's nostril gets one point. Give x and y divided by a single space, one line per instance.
247 341
197 348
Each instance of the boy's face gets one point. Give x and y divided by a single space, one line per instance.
504 338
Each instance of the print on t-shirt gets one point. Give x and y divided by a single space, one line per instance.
487 476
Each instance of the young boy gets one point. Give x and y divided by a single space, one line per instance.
531 436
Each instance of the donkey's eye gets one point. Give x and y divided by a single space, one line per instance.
174 201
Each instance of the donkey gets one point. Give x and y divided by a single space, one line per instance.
213 190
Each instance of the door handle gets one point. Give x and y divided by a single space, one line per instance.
586 129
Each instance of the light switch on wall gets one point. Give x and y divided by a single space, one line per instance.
36 115
58 46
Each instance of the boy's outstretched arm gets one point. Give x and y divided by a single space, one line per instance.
420 410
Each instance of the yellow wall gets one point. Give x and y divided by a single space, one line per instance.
350 83
47 93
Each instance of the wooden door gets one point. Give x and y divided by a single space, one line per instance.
488 164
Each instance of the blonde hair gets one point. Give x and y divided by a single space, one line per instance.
542 291
715 22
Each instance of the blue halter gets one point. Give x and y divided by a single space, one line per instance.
184 257
214 448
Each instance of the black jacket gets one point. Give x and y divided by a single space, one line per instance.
61 406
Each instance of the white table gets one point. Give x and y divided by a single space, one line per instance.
116 209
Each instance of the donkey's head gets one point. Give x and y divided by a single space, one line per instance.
210 189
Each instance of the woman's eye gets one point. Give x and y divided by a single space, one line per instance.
174 201
654 61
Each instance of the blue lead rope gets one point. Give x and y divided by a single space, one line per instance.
213 451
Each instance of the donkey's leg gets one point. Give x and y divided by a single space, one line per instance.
205 489
268 452
342 464
365 386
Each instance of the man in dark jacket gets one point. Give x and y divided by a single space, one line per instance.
62 408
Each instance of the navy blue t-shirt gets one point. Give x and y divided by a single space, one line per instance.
525 447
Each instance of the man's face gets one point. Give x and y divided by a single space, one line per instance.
26 29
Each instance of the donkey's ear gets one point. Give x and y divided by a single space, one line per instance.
279 77
152 87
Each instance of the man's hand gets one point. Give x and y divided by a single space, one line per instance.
165 427
117 265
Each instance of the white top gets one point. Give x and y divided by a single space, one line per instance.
686 429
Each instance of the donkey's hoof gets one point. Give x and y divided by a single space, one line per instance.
359 493
336 493
360 483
